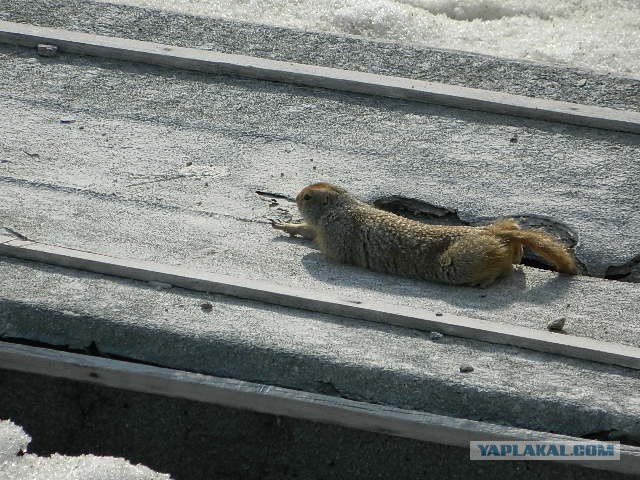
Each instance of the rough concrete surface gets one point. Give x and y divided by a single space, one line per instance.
15 464
163 165
317 353
353 53
133 129
195 441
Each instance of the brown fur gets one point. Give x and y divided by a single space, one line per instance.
353 232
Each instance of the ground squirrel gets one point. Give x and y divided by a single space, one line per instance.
353 232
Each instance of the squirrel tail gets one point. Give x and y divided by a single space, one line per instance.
540 242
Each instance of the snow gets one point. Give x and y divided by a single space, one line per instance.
590 34
25 466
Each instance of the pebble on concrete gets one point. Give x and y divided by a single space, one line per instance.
435 336
206 307
466 368
556 325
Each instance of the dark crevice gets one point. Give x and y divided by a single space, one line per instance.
419 210
625 438
321 386
326 388
91 350
625 271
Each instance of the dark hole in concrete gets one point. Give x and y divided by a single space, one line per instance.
629 271
419 210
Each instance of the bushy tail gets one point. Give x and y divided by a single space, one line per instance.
540 242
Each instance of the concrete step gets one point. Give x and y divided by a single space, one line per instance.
360 417
182 168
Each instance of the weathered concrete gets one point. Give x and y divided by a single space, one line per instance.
197 441
50 41
16 465
317 353
93 155
143 124
353 53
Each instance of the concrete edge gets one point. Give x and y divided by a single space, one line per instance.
323 77
268 399
577 347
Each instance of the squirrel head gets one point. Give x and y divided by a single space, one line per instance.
317 199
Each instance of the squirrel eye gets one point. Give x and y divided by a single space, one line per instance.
306 196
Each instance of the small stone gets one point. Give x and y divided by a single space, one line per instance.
438 314
67 120
466 369
188 164
47 50
514 139
206 184
206 307
199 204
557 325
435 336
159 285
582 82
282 174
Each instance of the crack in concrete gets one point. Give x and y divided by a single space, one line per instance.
629 271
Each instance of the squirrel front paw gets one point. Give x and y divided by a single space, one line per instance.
294 229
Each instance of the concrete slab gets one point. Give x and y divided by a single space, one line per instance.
16 465
48 42
349 52
116 180
143 125
316 353
198 441
94 155
464 161
312 135
162 275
